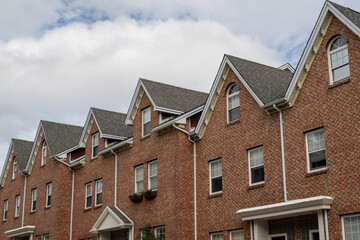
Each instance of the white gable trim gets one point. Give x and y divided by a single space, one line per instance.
39 133
287 66
139 86
7 164
328 7
105 215
220 76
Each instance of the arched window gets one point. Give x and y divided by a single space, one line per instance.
233 103
338 59
43 156
14 169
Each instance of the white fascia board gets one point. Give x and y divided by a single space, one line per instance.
27 169
20 232
66 151
287 66
317 28
118 145
168 110
177 119
7 162
292 207
224 62
113 137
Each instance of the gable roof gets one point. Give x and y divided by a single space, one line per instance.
112 218
347 16
268 83
22 152
166 98
111 123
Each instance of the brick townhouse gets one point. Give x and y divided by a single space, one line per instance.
268 154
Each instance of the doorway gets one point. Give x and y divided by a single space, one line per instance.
120 235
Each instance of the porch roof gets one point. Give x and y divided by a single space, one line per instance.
111 219
20 232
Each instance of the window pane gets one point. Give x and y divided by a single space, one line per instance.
216 169
256 157
140 186
217 236
234 114
153 182
234 88
341 72
352 228
88 189
99 186
153 169
237 235
234 101
317 159
316 140
146 115
139 173
216 184
98 198
257 174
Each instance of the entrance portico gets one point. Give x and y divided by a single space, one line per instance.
21 233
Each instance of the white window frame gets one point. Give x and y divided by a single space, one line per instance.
342 222
149 176
38 237
148 109
278 235
6 208
329 59
212 235
249 161
48 194
311 232
157 231
33 199
238 230
46 237
138 180
43 153
98 192
210 178
93 145
227 102
17 205
14 170
86 194
308 154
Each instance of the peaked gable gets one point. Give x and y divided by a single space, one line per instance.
165 98
111 219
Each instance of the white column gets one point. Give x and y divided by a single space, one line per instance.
260 230
321 225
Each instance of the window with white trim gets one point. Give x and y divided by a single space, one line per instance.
256 165
95 145
160 233
48 194
338 59
233 103
17 205
217 236
351 227
153 174
314 235
98 192
6 206
88 195
215 176
46 237
146 121
139 179
14 170
237 234
33 199
315 148
44 152
38 237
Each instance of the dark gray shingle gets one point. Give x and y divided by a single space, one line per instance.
22 152
120 215
176 98
352 15
112 123
60 137
268 83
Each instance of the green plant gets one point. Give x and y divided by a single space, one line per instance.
146 234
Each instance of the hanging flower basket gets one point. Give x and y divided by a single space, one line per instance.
136 197
150 194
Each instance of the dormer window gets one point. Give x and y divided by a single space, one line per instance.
233 103
146 121
14 170
95 145
44 152
338 60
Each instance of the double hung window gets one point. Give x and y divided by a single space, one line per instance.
217 236
153 179
98 192
88 195
160 233
215 176
315 147
48 194
33 199
146 121
237 235
44 152
6 205
351 227
14 170
256 164
95 145
233 103
339 59
139 179
17 205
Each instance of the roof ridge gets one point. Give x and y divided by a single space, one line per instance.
46 121
172 85
105 110
17 139
257 62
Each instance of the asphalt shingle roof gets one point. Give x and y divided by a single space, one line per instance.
268 83
172 97
22 152
60 137
352 15
112 123
120 215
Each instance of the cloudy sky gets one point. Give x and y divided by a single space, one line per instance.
60 57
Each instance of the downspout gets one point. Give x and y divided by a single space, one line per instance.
72 193
282 151
23 210
195 195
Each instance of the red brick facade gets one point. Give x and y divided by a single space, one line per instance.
335 108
